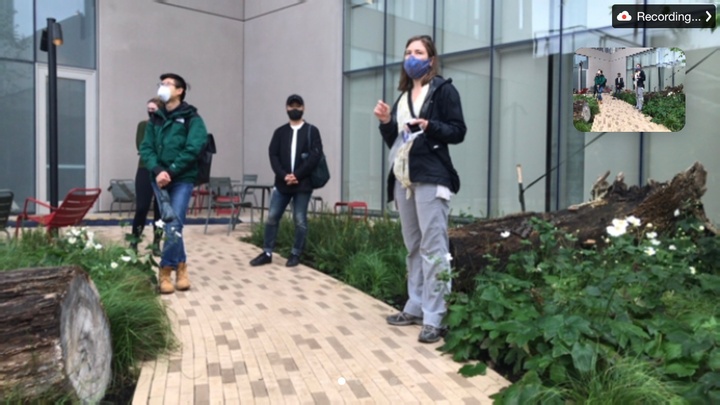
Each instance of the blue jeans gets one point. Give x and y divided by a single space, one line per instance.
278 203
173 251
600 92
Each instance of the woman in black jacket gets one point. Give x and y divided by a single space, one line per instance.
426 118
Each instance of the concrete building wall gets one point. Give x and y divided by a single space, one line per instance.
140 39
294 49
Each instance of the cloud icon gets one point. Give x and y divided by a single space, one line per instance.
624 16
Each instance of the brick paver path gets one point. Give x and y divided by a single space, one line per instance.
618 116
274 335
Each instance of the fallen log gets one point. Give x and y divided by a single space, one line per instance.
54 335
653 203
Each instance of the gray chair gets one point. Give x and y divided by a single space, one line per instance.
250 179
225 196
6 205
123 192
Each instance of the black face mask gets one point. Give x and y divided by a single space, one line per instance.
150 114
295 114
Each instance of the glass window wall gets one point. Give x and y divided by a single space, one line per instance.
516 88
16 29
17 132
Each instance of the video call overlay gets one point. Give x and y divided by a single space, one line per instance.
664 16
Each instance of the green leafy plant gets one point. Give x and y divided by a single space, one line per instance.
556 316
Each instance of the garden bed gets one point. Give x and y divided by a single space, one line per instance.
139 325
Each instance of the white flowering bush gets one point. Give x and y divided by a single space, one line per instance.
557 314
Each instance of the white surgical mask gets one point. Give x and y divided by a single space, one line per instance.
164 93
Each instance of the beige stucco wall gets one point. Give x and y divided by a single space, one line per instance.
240 74
140 39
296 49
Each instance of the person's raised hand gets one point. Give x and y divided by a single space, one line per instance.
382 112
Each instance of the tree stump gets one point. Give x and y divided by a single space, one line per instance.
54 335
654 203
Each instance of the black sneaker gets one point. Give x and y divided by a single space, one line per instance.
262 258
430 334
293 261
404 319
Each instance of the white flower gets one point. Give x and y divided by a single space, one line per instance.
692 270
651 235
701 228
98 246
448 257
618 228
649 225
89 244
676 212
113 265
649 251
633 220
125 258
672 247
655 242
159 223
75 232
72 240
670 94
91 235
504 234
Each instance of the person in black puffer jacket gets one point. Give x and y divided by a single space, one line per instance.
425 119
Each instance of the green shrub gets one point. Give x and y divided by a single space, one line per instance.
368 255
555 315
578 101
666 107
140 328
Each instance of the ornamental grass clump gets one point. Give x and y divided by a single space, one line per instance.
368 255
561 321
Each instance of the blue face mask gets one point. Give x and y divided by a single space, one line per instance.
416 68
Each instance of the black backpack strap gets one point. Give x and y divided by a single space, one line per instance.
309 137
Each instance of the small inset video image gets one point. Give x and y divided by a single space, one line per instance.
629 89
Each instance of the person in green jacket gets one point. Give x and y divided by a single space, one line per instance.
143 189
173 139
600 81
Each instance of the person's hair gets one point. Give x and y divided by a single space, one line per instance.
600 70
157 101
179 82
405 81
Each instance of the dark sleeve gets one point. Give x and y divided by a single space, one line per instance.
389 131
306 166
147 150
274 153
449 125
196 139
140 134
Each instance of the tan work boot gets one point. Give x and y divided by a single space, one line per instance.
182 282
164 280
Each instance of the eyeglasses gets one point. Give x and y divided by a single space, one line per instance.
166 84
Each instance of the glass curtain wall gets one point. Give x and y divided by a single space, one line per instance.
514 65
21 25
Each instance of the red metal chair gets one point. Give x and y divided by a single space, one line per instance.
351 207
72 211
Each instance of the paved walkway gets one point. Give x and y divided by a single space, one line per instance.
618 116
274 335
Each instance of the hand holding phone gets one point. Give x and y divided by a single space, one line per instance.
414 128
